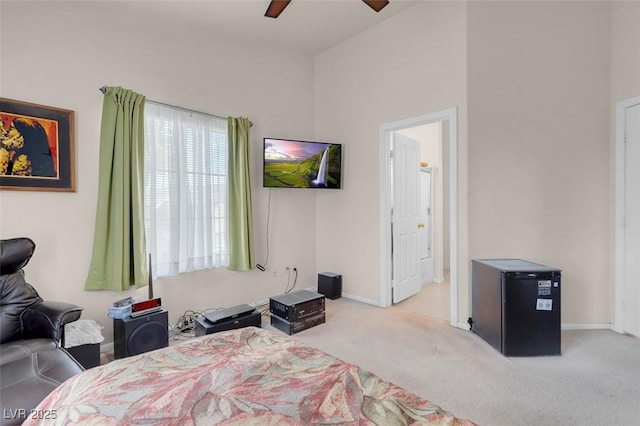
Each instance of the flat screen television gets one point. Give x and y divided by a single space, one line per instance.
301 164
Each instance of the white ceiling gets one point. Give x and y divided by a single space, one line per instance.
306 26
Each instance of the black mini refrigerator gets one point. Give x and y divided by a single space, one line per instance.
515 306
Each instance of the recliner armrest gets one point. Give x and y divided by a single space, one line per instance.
47 319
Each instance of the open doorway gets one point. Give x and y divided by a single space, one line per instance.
432 299
437 158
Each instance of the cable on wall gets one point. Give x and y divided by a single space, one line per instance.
295 279
259 266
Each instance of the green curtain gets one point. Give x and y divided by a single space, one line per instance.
119 261
241 257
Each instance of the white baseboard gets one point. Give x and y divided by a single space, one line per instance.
464 326
259 303
569 326
106 347
354 297
433 281
362 299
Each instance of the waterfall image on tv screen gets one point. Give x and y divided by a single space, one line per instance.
301 164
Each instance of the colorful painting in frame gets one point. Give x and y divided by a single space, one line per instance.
37 151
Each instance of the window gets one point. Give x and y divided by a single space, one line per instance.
185 189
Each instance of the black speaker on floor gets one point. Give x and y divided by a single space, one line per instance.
330 285
133 336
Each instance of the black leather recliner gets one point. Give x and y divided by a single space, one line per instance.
32 359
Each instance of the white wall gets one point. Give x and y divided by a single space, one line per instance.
409 65
625 52
60 53
535 79
539 154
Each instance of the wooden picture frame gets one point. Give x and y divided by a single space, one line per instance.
37 147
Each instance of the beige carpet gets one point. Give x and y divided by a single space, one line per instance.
596 380
433 300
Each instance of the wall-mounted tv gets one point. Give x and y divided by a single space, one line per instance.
301 164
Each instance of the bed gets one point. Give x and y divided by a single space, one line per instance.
249 376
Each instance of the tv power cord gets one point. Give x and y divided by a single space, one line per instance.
259 266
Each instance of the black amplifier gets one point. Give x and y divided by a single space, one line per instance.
292 327
296 305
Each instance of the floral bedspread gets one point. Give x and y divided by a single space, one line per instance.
248 376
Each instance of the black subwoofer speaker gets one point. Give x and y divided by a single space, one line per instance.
330 285
133 336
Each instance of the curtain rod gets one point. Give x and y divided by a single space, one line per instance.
103 89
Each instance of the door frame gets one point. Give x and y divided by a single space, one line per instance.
450 115
618 324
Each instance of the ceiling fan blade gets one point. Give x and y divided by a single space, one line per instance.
376 5
276 7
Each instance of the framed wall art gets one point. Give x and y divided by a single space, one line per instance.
37 147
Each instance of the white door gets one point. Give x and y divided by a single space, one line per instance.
425 227
631 271
405 217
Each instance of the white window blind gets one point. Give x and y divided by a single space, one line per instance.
185 189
